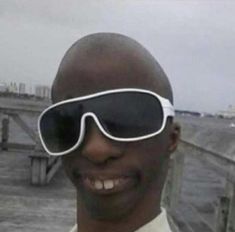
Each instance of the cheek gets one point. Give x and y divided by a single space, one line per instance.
153 148
151 154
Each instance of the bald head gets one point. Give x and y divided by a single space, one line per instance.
100 62
105 61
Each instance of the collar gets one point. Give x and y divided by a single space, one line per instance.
158 224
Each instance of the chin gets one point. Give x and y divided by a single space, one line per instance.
110 207
111 215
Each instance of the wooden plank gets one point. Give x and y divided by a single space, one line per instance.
222 214
201 219
38 154
5 133
221 164
176 179
200 224
43 167
172 188
53 169
29 131
43 171
52 160
220 157
18 146
183 222
35 170
231 210
23 109
39 166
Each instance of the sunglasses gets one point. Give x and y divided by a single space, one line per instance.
124 115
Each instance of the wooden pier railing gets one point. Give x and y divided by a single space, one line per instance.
43 167
222 165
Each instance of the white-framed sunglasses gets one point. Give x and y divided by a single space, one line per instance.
123 115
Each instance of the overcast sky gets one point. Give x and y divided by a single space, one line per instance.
194 41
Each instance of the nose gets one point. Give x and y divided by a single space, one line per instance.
97 147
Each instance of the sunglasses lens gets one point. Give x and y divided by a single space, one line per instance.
60 127
130 114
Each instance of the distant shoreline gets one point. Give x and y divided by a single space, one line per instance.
23 96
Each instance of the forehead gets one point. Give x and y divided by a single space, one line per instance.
89 74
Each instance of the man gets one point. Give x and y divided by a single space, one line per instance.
112 123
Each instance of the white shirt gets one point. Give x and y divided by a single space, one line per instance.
158 224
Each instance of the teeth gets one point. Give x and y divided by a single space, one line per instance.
98 184
108 184
104 184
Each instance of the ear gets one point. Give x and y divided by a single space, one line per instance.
174 136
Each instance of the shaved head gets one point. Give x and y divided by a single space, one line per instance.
104 61
119 183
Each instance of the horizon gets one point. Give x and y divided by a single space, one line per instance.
31 90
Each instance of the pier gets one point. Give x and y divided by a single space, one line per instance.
36 196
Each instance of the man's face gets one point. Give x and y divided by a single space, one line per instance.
112 178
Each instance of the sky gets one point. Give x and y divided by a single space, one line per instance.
194 41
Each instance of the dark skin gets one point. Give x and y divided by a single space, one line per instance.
89 67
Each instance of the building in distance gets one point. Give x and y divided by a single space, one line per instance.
42 91
14 89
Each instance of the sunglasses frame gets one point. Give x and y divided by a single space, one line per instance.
167 107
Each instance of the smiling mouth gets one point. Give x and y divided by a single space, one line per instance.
108 185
